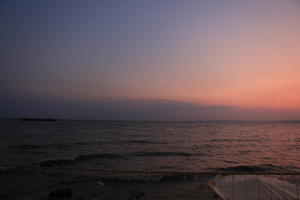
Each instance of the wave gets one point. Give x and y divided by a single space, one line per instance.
100 156
143 142
97 156
60 162
234 140
159 153
26 146
80 158
129 142
82 143
148 178
268 168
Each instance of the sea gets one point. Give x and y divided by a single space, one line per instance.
150 145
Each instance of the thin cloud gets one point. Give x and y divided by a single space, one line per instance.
135 109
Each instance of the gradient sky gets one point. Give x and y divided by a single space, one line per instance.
150 59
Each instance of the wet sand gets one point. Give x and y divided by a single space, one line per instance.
29 184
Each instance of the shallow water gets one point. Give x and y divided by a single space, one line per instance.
188 146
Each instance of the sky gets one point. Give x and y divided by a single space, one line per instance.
150 59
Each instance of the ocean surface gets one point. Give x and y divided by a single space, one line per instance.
163 146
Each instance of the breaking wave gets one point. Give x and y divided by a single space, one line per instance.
102 156
268 168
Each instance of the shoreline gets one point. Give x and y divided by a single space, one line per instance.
39 183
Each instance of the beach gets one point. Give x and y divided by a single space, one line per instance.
39 184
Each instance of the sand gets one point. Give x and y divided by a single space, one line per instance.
29 184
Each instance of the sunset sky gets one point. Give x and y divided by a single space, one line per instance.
150 59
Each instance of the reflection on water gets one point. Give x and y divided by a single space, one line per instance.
191 146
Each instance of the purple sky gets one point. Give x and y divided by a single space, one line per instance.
150 60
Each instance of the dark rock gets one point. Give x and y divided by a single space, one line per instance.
67 182
61 193
172 178
45 165
137 194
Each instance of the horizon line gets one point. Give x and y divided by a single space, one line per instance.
136 120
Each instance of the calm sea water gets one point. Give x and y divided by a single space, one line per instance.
188 146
